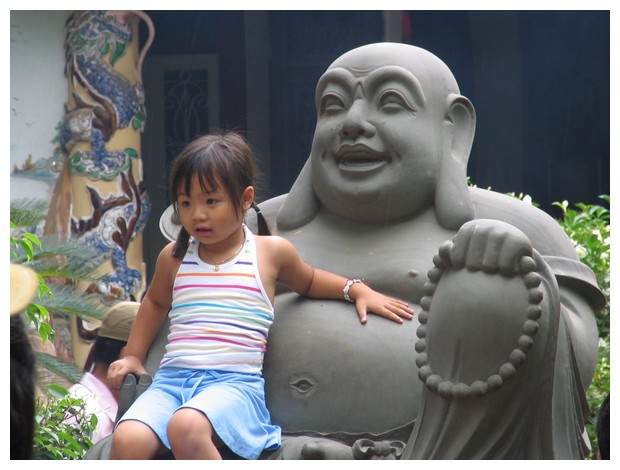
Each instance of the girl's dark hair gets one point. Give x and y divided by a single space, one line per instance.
221 158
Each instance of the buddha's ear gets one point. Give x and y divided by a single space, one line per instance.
301 203
453 205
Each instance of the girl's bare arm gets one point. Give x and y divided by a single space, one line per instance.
313 282
151 315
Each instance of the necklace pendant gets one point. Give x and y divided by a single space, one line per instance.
216 267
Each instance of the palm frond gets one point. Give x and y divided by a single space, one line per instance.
55 245
66 301
72 269
58 258
27 212
66 370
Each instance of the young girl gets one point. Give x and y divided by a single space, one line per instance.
217 283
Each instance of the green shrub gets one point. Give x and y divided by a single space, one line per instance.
58 264
588 226
55 438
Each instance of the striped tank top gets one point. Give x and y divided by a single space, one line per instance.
219 320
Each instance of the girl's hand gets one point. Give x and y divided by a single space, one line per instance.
368 300
119 369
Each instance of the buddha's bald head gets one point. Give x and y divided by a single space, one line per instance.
389 117
433 75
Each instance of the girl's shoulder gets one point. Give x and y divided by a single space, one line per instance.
273 242
278 249
275 255
167 265
166 257
167 250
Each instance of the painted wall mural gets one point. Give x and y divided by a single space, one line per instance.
100 198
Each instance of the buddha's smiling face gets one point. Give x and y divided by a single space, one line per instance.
375 154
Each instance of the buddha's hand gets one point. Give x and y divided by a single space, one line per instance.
487 245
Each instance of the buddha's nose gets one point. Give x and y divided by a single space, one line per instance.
356 122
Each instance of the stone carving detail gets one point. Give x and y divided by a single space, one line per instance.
106 100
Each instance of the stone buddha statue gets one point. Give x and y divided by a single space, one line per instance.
503 345
497 361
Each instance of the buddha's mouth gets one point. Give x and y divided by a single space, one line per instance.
360 158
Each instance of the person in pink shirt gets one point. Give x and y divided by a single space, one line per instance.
109 346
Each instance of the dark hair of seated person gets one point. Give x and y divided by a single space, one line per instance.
602 430
22 391
104 351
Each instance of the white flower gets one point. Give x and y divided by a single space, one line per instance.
581 251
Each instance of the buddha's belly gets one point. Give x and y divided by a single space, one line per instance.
326 372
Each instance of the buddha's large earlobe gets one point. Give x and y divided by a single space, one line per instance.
301 203
453 204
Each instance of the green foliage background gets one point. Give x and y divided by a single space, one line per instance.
588 226
63 428
55 438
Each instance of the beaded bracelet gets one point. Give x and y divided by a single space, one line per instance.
347 286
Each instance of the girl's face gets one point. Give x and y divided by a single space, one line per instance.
210 215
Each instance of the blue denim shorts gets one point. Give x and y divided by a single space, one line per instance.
234 403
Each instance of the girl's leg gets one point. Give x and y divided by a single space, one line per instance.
134 440
192 436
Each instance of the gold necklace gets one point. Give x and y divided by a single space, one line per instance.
216 266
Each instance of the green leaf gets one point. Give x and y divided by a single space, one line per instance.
27 247
69 440
57 390
33 238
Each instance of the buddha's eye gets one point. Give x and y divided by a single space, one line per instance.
393 101
332 102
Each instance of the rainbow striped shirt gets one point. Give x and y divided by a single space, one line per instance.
219 320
